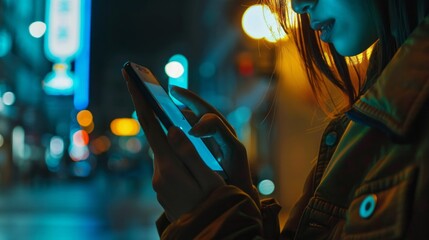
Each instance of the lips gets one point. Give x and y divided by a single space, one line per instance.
325 28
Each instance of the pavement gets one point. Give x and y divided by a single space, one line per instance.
102 207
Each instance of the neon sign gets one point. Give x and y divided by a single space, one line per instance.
63 18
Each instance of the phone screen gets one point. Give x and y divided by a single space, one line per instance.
168 113
179 120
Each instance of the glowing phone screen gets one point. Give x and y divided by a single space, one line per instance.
176 116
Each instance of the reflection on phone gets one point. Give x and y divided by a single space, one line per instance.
180 121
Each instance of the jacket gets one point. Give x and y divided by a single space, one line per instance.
371 180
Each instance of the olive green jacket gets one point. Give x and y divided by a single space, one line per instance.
371 180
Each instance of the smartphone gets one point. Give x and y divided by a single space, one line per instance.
167 112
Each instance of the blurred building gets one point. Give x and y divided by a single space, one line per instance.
23 66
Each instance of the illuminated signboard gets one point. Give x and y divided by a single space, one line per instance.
63 40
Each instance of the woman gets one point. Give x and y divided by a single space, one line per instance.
371 180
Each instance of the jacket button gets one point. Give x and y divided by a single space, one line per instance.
367 207
331 139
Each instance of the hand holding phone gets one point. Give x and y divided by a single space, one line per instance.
197 185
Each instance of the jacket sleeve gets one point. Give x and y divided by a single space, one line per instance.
228 213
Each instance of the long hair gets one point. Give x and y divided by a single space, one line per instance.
325 66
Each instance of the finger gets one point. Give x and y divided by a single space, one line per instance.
171 216
192 100
186 151
210 142
210 125
190 116
151 126
234 153
163 181
197 104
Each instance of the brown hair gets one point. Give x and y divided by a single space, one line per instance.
398 19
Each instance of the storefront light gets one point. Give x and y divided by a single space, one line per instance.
60 81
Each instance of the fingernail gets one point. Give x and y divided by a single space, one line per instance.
173 89
196 132
192 132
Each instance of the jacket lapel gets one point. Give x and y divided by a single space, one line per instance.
394 102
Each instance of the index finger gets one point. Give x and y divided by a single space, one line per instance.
151 126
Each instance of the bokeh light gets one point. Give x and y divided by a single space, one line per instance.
266 187
174 69
60 81
37 29
78 153
132 144
89 129
80 138
259 22
5 42
82 169
100 145
84 118
125 127
8 98
56 146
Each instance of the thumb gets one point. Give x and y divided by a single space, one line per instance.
210 125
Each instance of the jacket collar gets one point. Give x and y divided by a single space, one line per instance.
401 92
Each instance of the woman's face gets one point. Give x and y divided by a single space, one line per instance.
347 24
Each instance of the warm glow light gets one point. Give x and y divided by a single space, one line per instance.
125 127
259 22
275 31
174 69
252 22
90 128
37 29
291 15
366 55
80 138
100 145
84 118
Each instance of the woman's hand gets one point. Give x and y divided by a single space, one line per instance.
181 179
212 124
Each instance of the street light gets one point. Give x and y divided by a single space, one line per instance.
259 22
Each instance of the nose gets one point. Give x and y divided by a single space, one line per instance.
302 6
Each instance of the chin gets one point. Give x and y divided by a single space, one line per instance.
348 50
